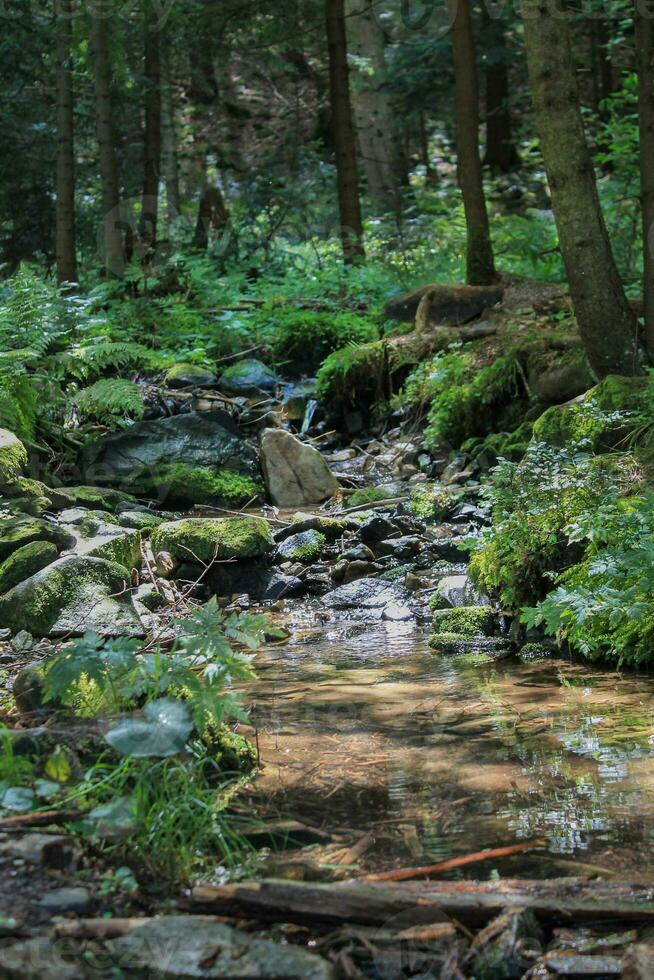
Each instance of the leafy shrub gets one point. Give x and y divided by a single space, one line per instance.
604 605
303 338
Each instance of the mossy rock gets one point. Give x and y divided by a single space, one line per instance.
207 539
305 547
35 490
99 538
432 502
140 520
331 527
70 596
249 377
370 495
602 418
186 375
182 484
469 650
26 561
13 458
19 531
98 498
470 621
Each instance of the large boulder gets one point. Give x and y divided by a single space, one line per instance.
295 474
140 458
249 377
367 593
26 561
13 458
183 946
101 539
448 305
204 539
72 595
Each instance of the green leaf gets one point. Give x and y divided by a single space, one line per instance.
162 731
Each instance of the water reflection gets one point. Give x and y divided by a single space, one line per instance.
362 727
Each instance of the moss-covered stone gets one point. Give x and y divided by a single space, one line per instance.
305 547
183 375
70 596
249 377
601 419
98 498
99 538
140 520
26 561
369 495
180 484
18 531
432 502
205 539
13 458
331 527
56 499
469 650
467 621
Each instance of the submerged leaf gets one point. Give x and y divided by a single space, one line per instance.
162 730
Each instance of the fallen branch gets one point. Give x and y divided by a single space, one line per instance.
42 819
404 874
374 505
97 928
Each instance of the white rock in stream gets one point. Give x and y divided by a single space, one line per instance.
295 474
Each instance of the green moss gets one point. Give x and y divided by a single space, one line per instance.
189 374
206 539
432 502
26 561
602 418
369 495
180 483
352 373
467 621
18 531
35 603
303 338
19 405
310 550
98 498
233 752
13 458
330 527
140 520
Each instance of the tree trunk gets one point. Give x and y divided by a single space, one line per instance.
644 25
606 322
113 244
480 267
152 139
501 152
346 163
212 213
169 157
379 146
65 218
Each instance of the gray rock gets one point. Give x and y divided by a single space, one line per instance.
180 947
404 547
66 900
359 569
395 612
253 580
295 474
296 398
72 595
359 552
305 547
138 457
450 549
55 851
143 521
366 593
96 538
249 377
456 591
375 529
15 532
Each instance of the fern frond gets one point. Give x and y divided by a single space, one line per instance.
103 355
109 398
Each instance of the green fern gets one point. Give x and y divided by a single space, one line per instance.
96 358
19 402
110 398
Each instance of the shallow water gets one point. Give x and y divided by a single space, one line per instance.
361 728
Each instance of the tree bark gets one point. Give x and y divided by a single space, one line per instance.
379 146
501 153
480 266
169 156
212 213
606 322
351 225
644 26
113 243
152 139
65 214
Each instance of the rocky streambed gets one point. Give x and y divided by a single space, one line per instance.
399 720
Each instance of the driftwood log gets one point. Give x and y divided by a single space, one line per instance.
563 900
